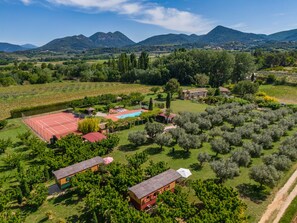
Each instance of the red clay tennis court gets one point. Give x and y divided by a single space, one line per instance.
49 125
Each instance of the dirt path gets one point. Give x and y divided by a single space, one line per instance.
281 201
286 204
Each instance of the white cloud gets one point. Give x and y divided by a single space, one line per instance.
144 12
239 25
26 2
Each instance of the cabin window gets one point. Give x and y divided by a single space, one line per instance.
67 179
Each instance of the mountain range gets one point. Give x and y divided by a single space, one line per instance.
219 36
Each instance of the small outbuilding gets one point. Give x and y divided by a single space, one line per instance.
224 91
90 110
94 137
63 176
144 194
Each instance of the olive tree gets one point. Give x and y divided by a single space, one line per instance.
163 140
225 169
265 175
177 133
203 157
241 157
254 149
280 162
220 146
188 142
137 138
153 129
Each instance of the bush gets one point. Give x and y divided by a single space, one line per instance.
88 125
3 123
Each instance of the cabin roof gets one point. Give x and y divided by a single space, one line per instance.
78 167
147 187
94 136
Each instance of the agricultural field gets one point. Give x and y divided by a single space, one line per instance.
285 94
14 97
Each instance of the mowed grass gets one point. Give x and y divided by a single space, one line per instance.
14 97
285 94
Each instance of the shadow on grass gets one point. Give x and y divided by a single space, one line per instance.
153 150
128 148
179 154
43 220
66 199
83 218
253 192
195 166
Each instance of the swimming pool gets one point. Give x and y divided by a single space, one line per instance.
130 115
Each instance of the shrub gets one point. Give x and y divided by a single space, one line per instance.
88 125
3 123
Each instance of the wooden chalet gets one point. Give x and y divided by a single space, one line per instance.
194 93
63 176
145 194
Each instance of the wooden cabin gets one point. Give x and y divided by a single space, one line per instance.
63 176
194 93
145 194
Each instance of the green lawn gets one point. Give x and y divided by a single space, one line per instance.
285 94
68 207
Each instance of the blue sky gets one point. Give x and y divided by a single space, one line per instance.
40 21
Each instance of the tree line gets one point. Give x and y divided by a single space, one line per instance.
197 67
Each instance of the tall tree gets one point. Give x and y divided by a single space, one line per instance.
168 100
244 67
143 61
172 86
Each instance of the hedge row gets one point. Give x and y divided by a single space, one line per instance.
28 111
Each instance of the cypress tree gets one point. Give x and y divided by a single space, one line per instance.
168 100
151 106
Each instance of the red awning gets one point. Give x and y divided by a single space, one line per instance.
94 136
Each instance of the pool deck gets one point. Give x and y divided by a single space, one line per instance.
114 117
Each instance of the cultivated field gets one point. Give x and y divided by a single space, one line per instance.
285 94
33 95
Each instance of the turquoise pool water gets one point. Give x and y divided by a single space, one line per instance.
130 115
